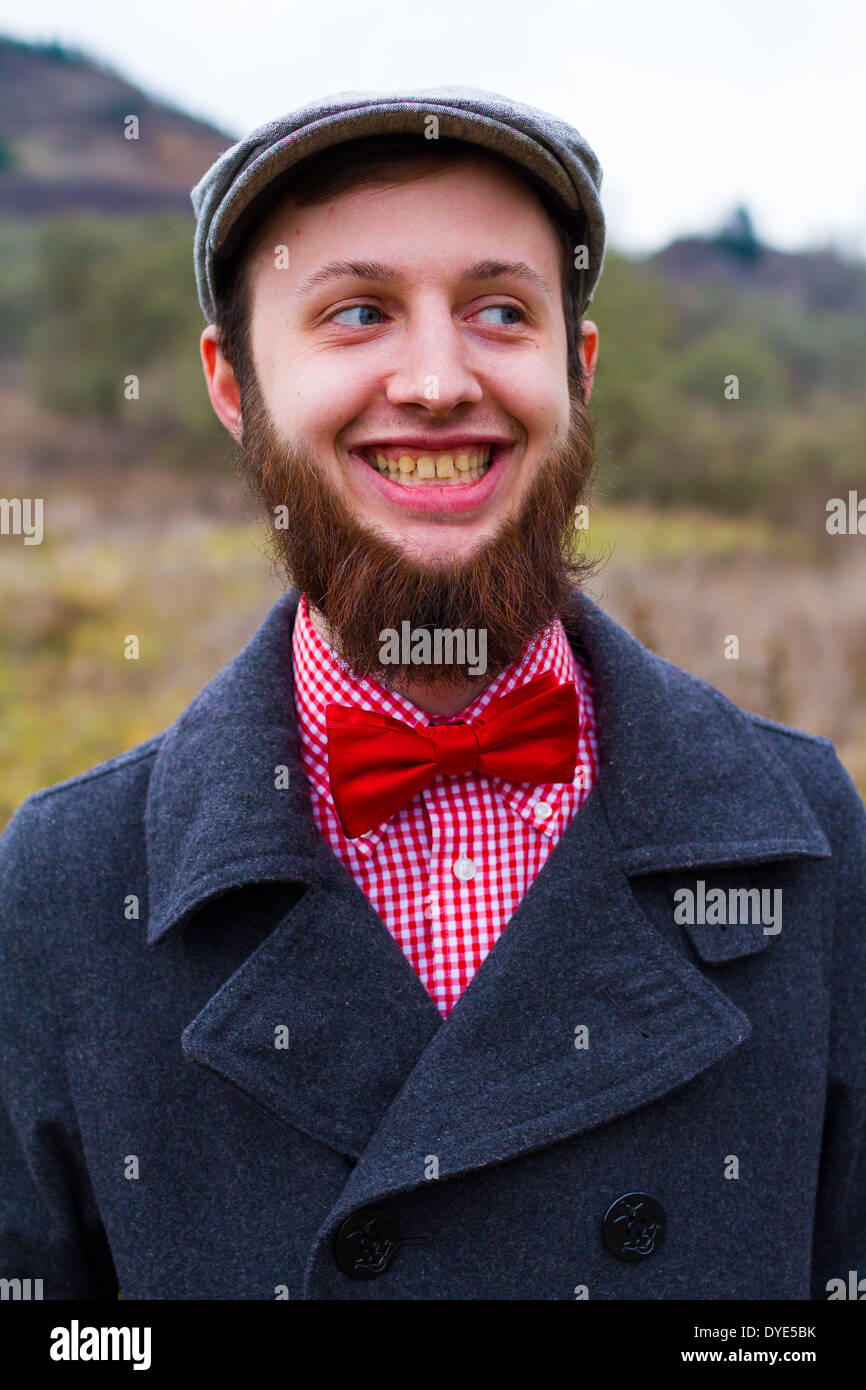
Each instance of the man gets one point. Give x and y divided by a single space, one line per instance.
450 944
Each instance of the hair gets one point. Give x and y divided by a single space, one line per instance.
374 160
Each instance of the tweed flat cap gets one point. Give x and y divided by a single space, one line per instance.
225 200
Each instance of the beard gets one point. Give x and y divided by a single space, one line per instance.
360 583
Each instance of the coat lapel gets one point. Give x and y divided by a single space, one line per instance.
371 1069
503 1075
358 1018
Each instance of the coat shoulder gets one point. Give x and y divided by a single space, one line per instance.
811 759
62 832
116 768
824 780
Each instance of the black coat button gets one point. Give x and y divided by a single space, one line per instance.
634 1226
367 1242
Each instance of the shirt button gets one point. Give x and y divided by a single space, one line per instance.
464 869
543 810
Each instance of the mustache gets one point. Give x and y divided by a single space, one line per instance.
361 583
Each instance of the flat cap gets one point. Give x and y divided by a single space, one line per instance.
225 200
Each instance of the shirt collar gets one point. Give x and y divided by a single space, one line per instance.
321 675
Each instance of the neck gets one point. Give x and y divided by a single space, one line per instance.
444 698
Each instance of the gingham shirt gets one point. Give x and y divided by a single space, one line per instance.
498 833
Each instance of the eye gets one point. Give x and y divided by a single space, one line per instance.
507 308
355 309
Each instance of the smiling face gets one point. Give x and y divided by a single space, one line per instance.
416 344
408 407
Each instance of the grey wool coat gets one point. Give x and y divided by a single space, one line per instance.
222 1079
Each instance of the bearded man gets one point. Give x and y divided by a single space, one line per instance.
481 953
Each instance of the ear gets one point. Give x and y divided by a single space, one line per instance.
589 351
223 389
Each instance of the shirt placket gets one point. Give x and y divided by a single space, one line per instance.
435 906
458 877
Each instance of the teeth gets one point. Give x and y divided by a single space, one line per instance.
450 468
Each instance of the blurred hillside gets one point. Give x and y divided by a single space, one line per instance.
735 258
62 146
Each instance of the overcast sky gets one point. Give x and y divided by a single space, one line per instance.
691 106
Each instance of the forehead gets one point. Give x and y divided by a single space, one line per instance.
487 188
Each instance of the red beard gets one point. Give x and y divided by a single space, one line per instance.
511 586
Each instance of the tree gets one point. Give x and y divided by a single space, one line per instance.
737 235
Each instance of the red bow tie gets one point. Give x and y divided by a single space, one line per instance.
376 764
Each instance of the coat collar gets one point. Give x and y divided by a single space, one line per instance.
683 776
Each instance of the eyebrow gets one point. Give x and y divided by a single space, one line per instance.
378 273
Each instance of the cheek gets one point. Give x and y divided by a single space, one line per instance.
536 395
318 398
545 419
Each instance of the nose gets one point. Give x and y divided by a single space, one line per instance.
432 367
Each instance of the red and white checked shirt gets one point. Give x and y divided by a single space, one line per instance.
445 924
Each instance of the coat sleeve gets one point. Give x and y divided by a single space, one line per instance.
49 1223
839 1244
